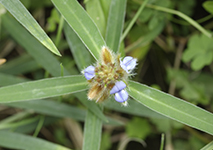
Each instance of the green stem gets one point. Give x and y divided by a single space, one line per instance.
58 36
162 142
39 126
185 17
133 20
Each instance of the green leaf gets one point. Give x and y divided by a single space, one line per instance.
17 9
42 88
7 79
172 107
92 132
95 11
82 24
20 65
32 46
199 51
51 108
81 55
134 109
19 141
115 24
133 128
208 6
208 146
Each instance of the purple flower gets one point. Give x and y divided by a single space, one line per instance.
119 85
120 94
128 63
89 72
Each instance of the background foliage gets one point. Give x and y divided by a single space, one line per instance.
47 43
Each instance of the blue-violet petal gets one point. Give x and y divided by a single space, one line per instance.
89 72
119 85
121 96
128 63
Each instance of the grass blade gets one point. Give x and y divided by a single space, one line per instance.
133 109
17 9
20 141
82 24
96 12
81 55
42 88
7 79
208 146
51 108
32 46
172 107
20 65
92 132
134 20
115 24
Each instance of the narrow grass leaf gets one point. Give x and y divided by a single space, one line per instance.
82 24
92 132
208 146
96 12
20 141
81 55
172 107
7 79
32 46
17 9
51 108
133 109
147 38
42 88
134 19
20 65
115 24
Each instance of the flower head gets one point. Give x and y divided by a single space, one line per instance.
109 76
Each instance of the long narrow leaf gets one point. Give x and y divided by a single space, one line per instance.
172 107
81 55
7 79
82 24
20 141
17 9
115 24
20 65
208 146
92 132
56 109
96 12
32 46
134 109
42 89
51 108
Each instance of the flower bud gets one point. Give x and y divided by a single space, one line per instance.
121 96
128 63
89 72
106 56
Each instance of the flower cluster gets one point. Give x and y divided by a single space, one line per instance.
109 76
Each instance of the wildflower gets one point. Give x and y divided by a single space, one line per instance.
109 76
